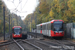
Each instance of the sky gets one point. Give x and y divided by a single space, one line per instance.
21 7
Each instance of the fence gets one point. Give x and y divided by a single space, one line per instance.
70 27
34 35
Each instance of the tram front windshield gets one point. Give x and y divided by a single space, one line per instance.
16 30
58 26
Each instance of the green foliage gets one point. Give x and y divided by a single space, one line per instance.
1 15
44 7
53 9
14 18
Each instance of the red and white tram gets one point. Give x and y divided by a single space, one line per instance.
17 32
52 28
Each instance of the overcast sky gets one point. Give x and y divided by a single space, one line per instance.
21 7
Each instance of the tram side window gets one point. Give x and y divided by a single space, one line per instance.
37 27
40 27
74 25
49 26
43 27
21 31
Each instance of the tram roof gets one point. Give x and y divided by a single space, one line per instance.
17 27
48 22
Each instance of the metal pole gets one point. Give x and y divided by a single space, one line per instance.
13 23
31 25
11 26
35 20
9 23
4 20
17 20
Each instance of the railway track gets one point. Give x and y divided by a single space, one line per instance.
40 44
31 46
18 45
8 45
25 45
55 44
7 42
34 44
59 44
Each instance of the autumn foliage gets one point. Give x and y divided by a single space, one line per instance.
13 19
54 9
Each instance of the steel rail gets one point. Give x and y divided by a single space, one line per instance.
43 43
32 45
18 44
6 43
61 44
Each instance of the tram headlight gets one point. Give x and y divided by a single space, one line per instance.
14 34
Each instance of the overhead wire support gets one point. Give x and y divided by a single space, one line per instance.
9 23
4 20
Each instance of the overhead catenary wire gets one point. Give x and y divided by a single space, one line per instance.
23 7
25 3
15 5
16 10
11 1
